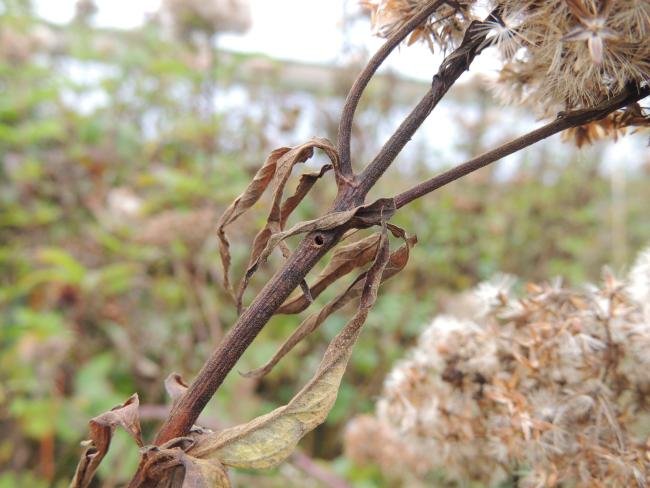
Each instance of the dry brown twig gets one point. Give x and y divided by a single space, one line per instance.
181 452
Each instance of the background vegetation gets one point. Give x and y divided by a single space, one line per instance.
118 149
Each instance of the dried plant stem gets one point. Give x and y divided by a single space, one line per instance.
352 193
241 335
309 252
450 70
359 85
564 121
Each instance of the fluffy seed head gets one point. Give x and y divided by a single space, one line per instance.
552 387
555 54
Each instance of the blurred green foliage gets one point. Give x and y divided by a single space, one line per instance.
114 162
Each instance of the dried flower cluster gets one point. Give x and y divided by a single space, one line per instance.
190 228
189 17
445 29
556 54
613 126
549 389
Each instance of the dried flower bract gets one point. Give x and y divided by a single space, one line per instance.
556 54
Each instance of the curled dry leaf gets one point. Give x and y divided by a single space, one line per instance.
243 202
306 182
360 217
344 260
163 464
275 172
280 212
101 432
268 440
396 262
175 387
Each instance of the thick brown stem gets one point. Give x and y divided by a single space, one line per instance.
315 245
241 335
564 121
359 85
251 322
309 252
450 70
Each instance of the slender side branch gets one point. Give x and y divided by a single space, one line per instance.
450 70
354 95
564 121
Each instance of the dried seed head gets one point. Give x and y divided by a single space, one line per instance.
553 382
556 54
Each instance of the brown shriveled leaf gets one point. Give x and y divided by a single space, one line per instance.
396 262
201 473
359 217
175 387
306 182
163 464
101 432
268 440
344 260
243 202
280 211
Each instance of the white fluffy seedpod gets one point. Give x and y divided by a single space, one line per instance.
549 388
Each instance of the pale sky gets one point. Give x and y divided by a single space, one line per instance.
302 30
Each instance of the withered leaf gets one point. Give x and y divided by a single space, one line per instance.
197 473
243 202
175 387
200 473
359 217
344 260
396 262
102 428
306 182
268 440
279 211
